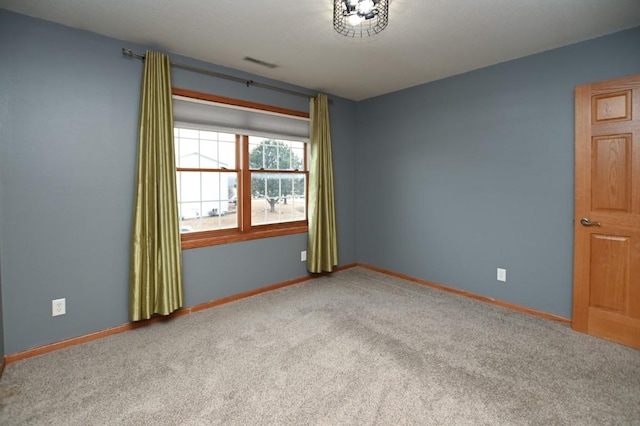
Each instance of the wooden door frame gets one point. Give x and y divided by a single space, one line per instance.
581 200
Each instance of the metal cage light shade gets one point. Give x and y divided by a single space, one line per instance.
360 18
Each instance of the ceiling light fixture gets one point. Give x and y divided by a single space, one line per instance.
360 18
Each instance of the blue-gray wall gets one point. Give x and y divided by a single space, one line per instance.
446 181
467 174
67 163
2 352
4 106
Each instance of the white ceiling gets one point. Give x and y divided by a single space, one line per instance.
426 39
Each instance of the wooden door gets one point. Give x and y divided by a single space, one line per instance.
606 287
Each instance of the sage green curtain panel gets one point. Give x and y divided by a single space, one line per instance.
155 277
323 241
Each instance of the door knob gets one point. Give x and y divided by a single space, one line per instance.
586 222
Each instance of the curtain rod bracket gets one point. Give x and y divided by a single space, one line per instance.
249 82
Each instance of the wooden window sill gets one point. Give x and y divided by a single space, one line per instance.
195 240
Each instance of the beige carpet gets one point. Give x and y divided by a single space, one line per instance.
357 347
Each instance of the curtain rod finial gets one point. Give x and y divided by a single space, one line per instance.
127 52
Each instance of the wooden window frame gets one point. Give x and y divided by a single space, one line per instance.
245 231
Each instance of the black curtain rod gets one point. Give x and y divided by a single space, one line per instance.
132 54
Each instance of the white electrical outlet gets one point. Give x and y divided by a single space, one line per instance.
58 307
303 256
502 275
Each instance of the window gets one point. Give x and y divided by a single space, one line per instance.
236 185
278 180
206 179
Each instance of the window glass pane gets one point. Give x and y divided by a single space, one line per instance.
212 136
189 189
227 154
227 137
277 197
189 133
275 154
187 152
297 157
207 200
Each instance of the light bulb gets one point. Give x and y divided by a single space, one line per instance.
365 7
355 19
